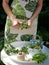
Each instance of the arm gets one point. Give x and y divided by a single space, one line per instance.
37 11
6 8
8 11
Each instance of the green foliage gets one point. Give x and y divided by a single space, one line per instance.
26 37
2 16
14 2
44 17
31 6
43 21
44 35
1 44
24 49
40 57
35 45
19 12
24 25
1 63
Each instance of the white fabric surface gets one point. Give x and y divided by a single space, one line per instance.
7 61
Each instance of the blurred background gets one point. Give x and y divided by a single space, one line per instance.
43 24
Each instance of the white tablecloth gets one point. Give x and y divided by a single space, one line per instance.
7 61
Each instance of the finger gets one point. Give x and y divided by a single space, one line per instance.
13 25
15 22
16 26
20 22
29 23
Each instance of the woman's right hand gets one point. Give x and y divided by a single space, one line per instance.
13 20
16 22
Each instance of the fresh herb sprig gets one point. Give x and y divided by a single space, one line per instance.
40 57
24 49
34 45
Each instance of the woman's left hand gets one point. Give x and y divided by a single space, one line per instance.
29 22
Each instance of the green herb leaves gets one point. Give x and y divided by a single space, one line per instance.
24 26
26 37
40 57
19 12
31 6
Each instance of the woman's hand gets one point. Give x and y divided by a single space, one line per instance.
29 22
20 21
16 22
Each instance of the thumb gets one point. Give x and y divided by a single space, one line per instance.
29 22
